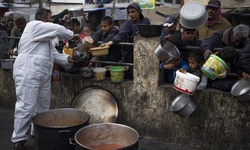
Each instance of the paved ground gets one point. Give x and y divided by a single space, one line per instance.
6 128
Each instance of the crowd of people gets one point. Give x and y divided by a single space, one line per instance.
215 33
36 53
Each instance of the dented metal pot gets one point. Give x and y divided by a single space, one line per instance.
166 51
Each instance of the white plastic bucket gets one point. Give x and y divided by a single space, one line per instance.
99 73
186 83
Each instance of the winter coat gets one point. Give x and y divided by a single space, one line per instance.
182 43
114 50
16 32
172 73
204 31
129 30
222 39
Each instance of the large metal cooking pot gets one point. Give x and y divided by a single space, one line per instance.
148 30
241 89
54 128
99 103
166 51
98 136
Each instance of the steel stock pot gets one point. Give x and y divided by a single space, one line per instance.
54 128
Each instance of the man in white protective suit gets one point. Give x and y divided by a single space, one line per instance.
33 68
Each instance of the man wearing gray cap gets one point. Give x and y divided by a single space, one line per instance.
169 26
214 23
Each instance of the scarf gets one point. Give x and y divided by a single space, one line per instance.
215 18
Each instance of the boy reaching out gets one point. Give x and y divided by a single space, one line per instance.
178 63
195 62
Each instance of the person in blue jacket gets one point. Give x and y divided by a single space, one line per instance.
169 26
129 28
178 63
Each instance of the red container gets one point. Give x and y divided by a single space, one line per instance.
56 73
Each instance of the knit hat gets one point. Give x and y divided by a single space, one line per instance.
170 20
214 3
137 7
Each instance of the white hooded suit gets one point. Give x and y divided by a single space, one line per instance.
32 72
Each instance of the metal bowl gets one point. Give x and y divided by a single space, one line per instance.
76 12
193 15
241 89
166 51
148 30
182 105
87 72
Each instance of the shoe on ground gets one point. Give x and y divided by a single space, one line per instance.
19 145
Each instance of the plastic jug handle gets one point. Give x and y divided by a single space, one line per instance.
217 64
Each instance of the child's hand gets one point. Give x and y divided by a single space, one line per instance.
66 45
245 75
8 52
127 68
106 44
107 67
168 66
168 37
90 64
183 70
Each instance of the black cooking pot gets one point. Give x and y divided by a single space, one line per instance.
54 128
148 30
103 135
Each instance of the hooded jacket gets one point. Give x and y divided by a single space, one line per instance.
222 39
182 43
129 27
16 32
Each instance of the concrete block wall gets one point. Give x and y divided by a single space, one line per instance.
219 122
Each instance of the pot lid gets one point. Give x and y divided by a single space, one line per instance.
116 68
98 103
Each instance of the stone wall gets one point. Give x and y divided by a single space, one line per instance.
219 122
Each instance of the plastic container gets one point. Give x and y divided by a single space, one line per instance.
186 83
99 73
56 73
7 63
213 67
193 15
68 51
100 51
117 74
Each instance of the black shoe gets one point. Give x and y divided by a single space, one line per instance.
19 145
